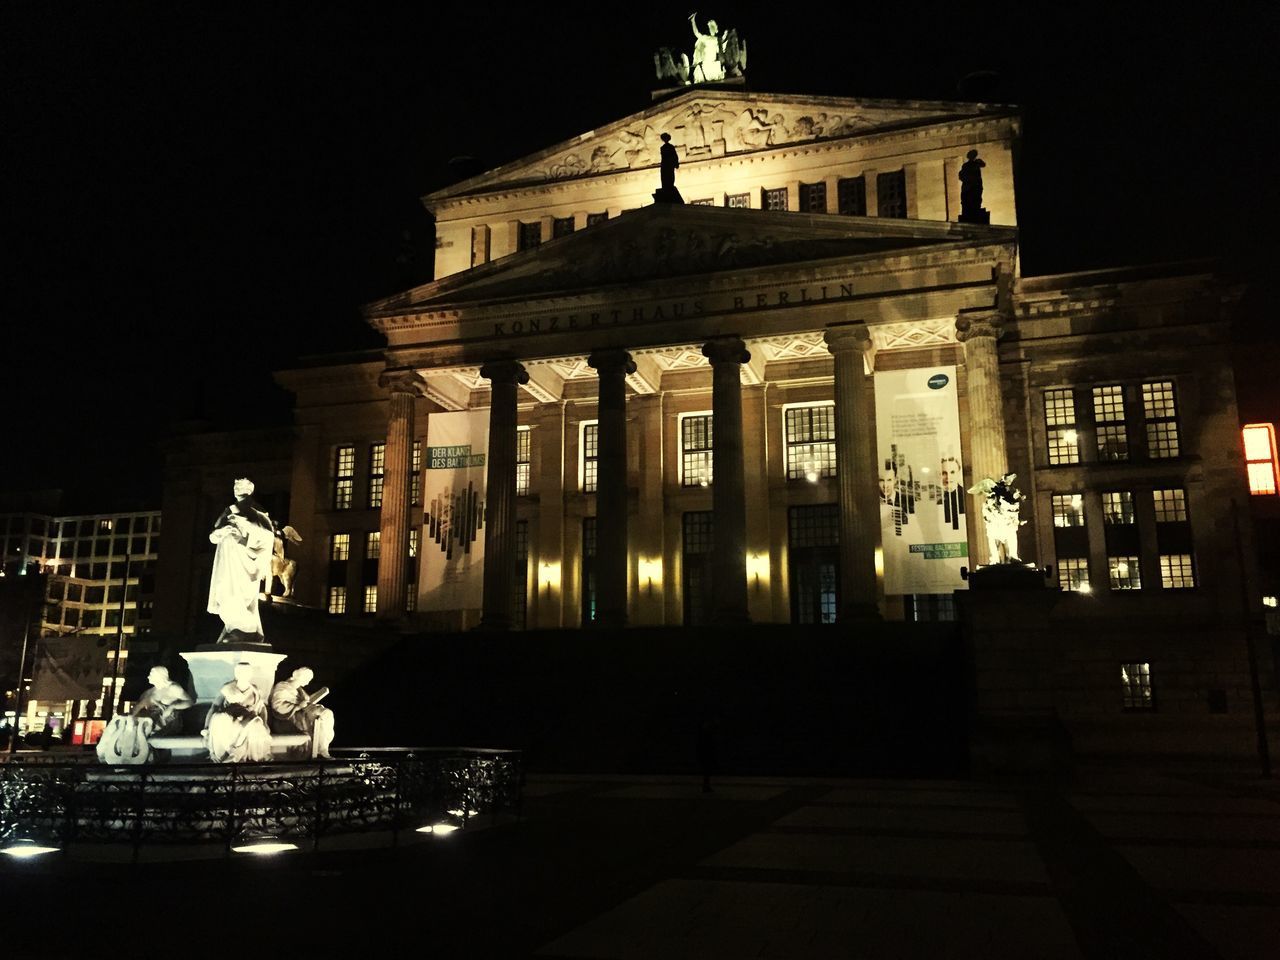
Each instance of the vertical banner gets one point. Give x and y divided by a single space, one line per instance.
922 521
453 500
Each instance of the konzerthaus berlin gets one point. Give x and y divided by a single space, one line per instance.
766 404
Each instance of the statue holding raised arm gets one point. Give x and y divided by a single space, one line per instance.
706 52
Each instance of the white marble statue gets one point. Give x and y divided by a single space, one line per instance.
245 538
296 708
162 702
1000 506
706 52
236 729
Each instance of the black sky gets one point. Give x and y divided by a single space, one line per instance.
196 195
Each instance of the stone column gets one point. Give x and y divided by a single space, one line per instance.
979 330
728 494
855 472
500 495
612 367
393 564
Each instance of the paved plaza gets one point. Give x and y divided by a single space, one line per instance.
1116 864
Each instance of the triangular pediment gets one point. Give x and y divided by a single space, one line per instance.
707 123
668 241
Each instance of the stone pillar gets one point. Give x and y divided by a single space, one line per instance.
855 472
500 494
728 496
393 564
612 367
979 330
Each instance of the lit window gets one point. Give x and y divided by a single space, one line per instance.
415 477
1171 505
1125 573
813 197
340 546
706 202
523 449
337 599
105 524
738 201
891 194
1161 412
371 598
344 472
1060 420
561 227
811 441
1068 510
1135 685
373 545
413 542
377 470
589 455
1260 458
520 582
775 199
1177 571
1073 574
1108 414
1117 508
695 450
410 598
851 196
530 235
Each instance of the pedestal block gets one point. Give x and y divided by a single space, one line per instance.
213 665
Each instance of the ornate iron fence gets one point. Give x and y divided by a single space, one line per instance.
297 801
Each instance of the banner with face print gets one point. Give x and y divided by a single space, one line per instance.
451 544
921 486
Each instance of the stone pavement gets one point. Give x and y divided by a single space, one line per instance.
1115 865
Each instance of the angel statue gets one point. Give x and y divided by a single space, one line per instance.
1000 516
667 67
706 52
244 536
283 568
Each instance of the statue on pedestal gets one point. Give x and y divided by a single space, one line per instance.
301 711
1000 516
971 190
245 538
706 52
236 729
162 702
667 193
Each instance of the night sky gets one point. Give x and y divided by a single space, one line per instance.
196 195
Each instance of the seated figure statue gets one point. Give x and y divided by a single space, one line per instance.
236 728
162 702
301 711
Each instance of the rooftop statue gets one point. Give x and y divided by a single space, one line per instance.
706 52
971 190
716 56
245 538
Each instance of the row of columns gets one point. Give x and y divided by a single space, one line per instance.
856 471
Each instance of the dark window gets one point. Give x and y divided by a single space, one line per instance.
929 607
520 583
814 541
588 570
891 194
813 197
738 201
594 218
851 196
530 235
561 227
699 534
775 199
705 202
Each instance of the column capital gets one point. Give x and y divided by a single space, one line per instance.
612 359
726 350
505 371
979 323
403 380
848 337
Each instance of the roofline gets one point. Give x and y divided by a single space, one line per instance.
1165 270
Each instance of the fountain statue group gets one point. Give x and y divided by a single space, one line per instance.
248 716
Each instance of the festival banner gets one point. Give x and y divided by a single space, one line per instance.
921 483
453 504
70 668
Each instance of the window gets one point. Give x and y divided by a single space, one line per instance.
1171 505
1117 508
811 441
1125 573
588 570
561 227
1135 686
344 472
371 598
738 201
373 545
775 199
337 599
814 549
410 597
1060 421
891 194
415 477
1108 415
589 455
851 196
1177 571
105 525
340 546
1068 510
594 218
1160 409
707 202
413 542
522 461
520 582
698 538
1073 574
695 450
377 467
813 197
930 607
1260 458
530 235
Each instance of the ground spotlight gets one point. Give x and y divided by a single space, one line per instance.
25 849
262 845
